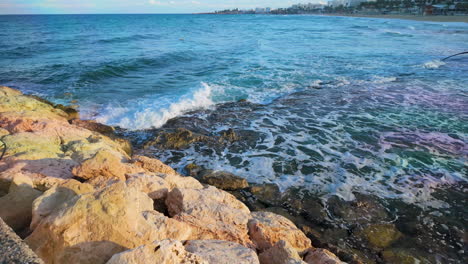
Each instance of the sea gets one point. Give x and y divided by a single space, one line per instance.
334 106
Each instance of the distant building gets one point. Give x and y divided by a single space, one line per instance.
260 10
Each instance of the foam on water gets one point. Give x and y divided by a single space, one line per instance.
149 113
435 64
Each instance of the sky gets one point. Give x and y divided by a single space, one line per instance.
133 6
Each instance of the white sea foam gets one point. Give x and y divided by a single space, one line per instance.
150 115
435 64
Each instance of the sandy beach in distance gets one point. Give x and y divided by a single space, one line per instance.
415 17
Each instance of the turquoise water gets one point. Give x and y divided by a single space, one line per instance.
339 105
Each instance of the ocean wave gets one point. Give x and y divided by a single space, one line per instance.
128 38
120 68
149 114
435 64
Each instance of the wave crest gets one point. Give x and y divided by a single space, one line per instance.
145 116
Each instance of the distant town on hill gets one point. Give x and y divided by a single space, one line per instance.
368 7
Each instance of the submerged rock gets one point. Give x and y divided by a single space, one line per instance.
267 193
379 235
220 252
166 251
266 229
400 256
212 213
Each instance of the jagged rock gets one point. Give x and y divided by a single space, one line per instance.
222 180
94 126
212 213
179 139
152 165
281 253
154 186
177 181
55 198
220 252
228 135
103 163
320 256
16 206
266 229
94 226
70 111
193 169
268 193
167 227
159 252
379 235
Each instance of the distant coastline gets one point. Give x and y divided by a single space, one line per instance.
438 18
435 18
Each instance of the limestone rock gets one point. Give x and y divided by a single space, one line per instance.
177 181
154 186
55 198
266 229
220 252
321 256
212 213
167 227
152 165
223 180
15 207
104 163
281 253
94 226
159 252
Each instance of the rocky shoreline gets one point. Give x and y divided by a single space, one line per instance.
76 193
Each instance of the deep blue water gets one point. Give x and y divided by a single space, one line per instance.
346 104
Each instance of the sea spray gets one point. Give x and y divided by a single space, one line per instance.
150 116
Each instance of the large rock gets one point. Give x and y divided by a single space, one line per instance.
159 252
266 229
55 198
167 227
152 165
321 256
177 181
212 213
154 186
220 252
104 163
223 180
16 206
94 226
281 253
